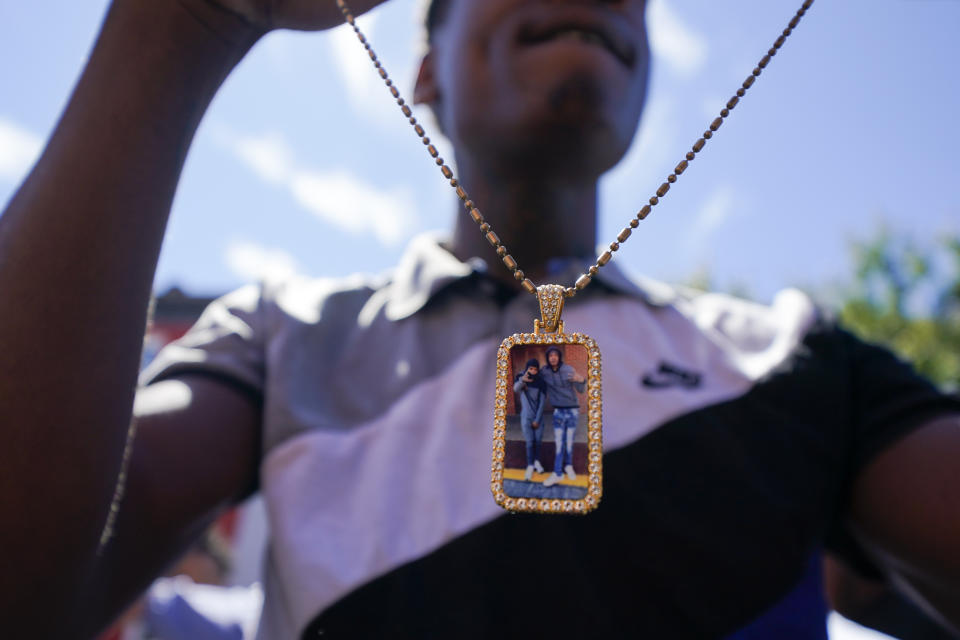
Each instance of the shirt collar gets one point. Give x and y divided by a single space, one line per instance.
427 267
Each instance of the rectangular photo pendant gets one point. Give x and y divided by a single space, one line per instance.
547 426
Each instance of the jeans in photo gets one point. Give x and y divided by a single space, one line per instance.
564 428
533 437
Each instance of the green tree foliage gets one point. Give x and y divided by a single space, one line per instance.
909 300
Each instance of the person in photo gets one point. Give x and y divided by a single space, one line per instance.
533 396
563 383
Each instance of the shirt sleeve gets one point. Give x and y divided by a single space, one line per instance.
889 399
227 341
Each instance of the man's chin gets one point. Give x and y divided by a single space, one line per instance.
571 142
577 132
582 117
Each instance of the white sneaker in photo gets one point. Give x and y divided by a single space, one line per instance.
570 473
537 466
529 473
551 480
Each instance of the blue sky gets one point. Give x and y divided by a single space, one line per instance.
303 162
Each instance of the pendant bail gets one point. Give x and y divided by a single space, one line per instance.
551 306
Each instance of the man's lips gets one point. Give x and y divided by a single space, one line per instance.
584 25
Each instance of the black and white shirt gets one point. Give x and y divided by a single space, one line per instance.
732 431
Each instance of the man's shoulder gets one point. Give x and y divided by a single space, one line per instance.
319 288
425 268
753 334
721 312
305 297
748 325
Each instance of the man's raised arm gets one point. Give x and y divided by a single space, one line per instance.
78 249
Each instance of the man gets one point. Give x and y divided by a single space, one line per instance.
563 383
381 519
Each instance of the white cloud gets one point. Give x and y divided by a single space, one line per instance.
641 171
657 141
716 210
277 48
365 89
673 41
349 58
396 47
19 149
269 156
254 262
345 201
338 198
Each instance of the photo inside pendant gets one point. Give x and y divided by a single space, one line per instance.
546 444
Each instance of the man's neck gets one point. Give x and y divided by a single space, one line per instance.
537 219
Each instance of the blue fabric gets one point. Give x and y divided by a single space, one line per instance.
175 619
801 615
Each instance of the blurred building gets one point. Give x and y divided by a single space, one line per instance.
174 313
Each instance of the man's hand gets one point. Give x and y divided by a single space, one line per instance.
534 424
527 378
267 15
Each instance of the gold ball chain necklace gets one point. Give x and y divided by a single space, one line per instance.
564 490
516 495
560 492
